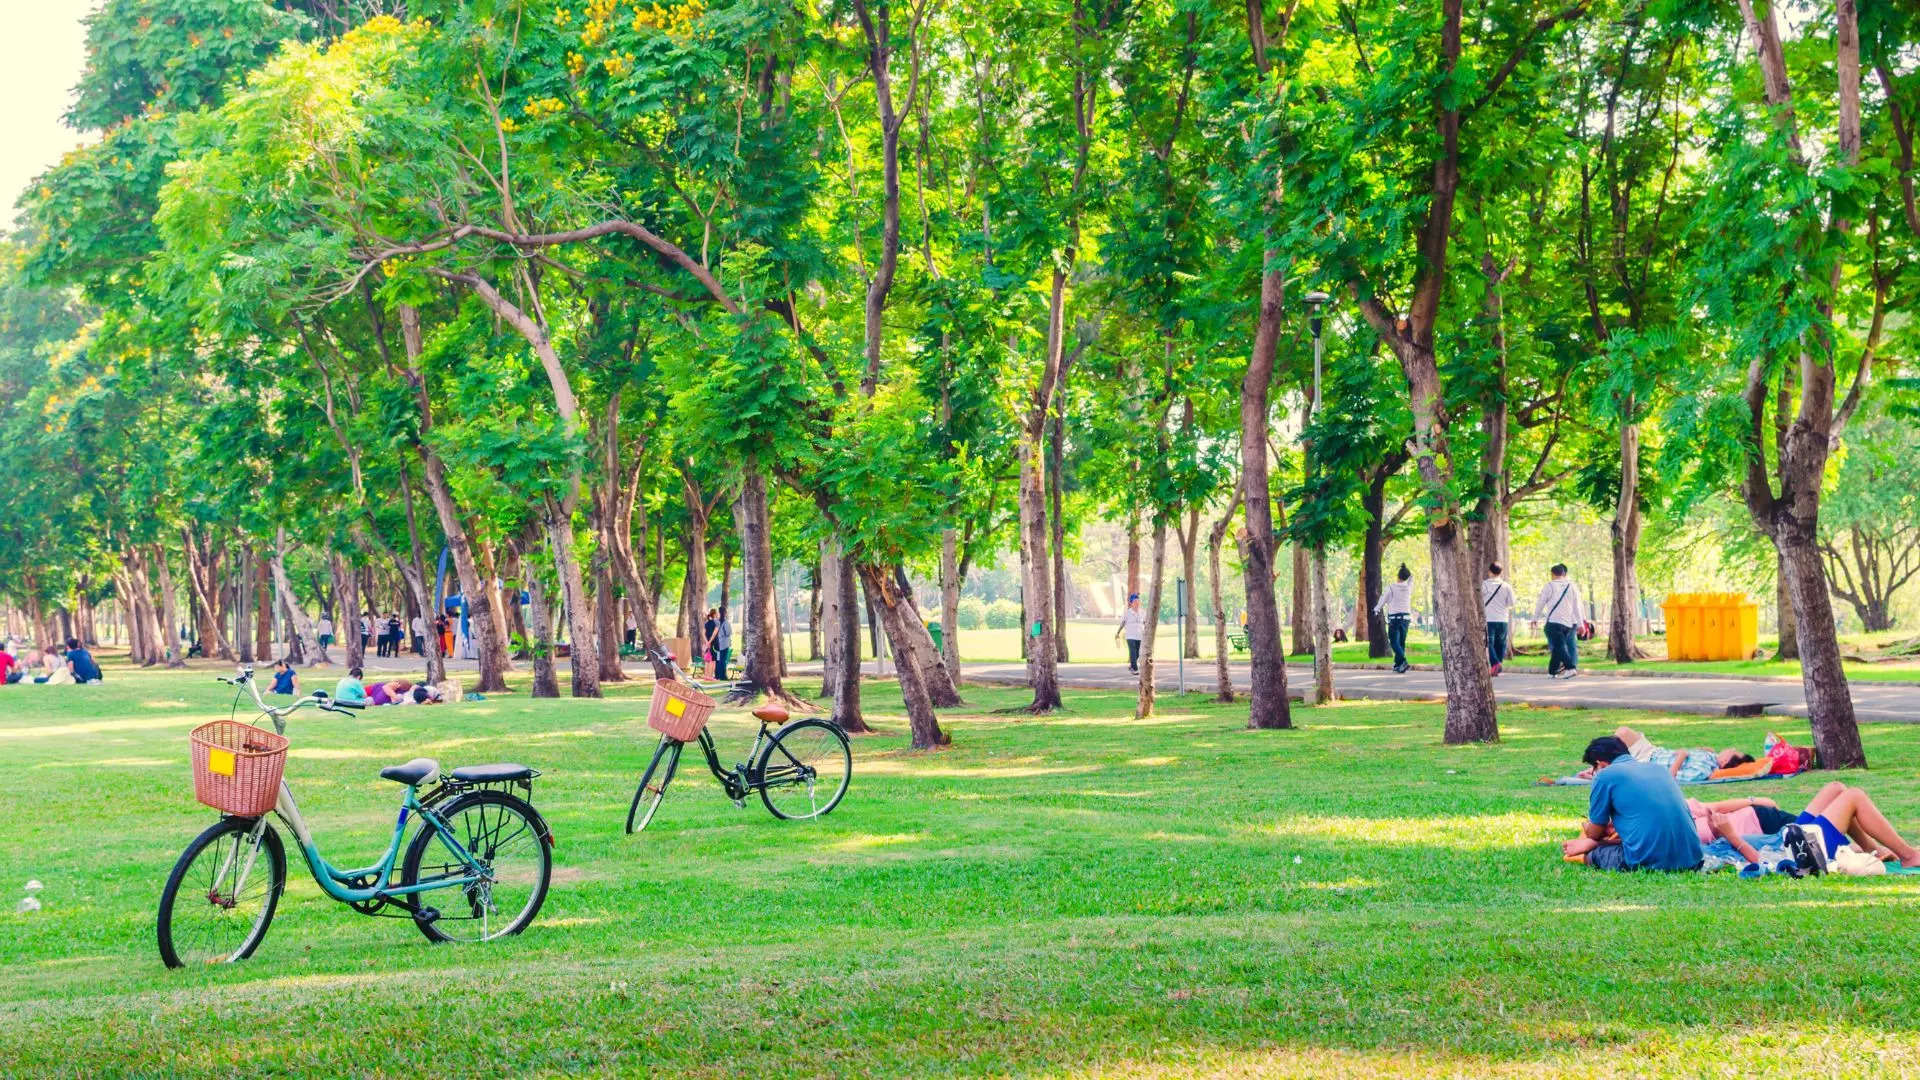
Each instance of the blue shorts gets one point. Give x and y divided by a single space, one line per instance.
1608 857
1834 838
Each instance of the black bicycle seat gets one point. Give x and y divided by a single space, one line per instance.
412 772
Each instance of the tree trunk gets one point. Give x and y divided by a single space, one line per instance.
1302 602
813 615
895 610
1471 711
950 599
263 610
1042 674
840 608
1133 554
203 577
243 604
1625 541
1189 559
1789 647
490 647
170 612
1269 708
413 571
760 666
346 620
1373 552
546 680
584 654
1143 706
1836 734
1057 525
1322 632
941 683
606 607
1222 649
290 605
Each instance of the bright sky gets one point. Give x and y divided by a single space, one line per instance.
45 46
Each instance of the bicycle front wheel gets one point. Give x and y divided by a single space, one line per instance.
804 771
221 895
508 839
653 784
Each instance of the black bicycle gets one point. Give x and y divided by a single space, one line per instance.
800 768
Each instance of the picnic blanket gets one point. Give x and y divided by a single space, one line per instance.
1575 781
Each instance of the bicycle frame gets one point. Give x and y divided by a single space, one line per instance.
736 781
334 881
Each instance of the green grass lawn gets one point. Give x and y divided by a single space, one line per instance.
1079 895
1093 640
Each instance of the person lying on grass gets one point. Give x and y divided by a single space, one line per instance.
1841 814
1686 766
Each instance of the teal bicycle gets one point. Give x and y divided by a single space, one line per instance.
479 841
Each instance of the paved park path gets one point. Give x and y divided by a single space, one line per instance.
1704 696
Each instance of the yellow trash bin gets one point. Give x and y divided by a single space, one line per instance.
1711 626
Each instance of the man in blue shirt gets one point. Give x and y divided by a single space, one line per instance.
81 663
1642 804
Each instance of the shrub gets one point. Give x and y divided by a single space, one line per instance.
973 613
1004 614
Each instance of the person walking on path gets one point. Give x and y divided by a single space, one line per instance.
722 644
1562 610
710 633
324 631
1496 603
1397 605
1133 625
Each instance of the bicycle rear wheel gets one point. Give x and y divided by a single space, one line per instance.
804 771
509 839
653 784
222 893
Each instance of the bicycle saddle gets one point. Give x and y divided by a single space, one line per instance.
771 714
412 772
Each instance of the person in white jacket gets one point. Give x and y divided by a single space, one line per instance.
1496 603
1396 603
1562 610
1133 625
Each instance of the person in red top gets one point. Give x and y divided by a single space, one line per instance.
7 666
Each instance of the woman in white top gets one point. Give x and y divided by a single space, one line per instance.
1496 603
1133 624
1397 605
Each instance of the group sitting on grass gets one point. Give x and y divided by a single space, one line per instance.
1638 819
352 691
58 667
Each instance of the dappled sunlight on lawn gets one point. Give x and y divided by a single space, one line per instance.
869 841
893 766
111 762
96 727
1457 833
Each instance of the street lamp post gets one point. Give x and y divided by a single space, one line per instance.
1322 624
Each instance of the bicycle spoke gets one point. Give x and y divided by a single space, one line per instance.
508 865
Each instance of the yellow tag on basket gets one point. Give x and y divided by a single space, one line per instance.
219 761
675 707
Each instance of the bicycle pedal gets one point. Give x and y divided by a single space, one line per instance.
739 804
427 915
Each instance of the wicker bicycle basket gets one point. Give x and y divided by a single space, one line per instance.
237 767
678 710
